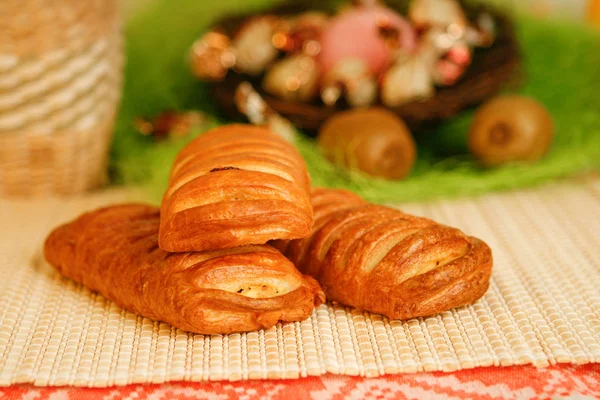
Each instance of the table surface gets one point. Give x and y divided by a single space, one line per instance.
535 209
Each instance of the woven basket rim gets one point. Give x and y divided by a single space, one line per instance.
33 28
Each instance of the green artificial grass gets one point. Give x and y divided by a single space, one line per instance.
562 65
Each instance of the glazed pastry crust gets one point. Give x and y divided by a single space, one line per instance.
233 186
382 260
114 251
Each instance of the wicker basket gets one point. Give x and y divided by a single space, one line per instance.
60 84
492 69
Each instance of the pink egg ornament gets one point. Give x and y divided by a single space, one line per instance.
356 33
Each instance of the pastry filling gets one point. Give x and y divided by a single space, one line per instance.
258 291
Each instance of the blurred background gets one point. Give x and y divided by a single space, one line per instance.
107 92
582 10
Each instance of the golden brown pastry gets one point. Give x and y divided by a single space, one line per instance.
114 251
379 259
233 186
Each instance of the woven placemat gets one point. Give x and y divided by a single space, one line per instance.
543 306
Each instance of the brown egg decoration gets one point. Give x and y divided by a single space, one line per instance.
372 140
510 128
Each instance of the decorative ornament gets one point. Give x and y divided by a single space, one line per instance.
363 32
170 124
510 128
211 56
449 54
258 112
426 14
250 51
294 78
441 59
301 33
446 27
483 33
372 140
253 45
352 79
408 79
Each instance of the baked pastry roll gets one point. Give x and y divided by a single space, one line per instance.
382 260
233 186
114 251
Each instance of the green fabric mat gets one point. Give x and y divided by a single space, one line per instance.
562 64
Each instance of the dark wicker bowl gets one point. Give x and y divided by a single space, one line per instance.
491 69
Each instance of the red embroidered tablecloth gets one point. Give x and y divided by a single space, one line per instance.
563 381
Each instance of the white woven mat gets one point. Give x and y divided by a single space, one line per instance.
543 306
